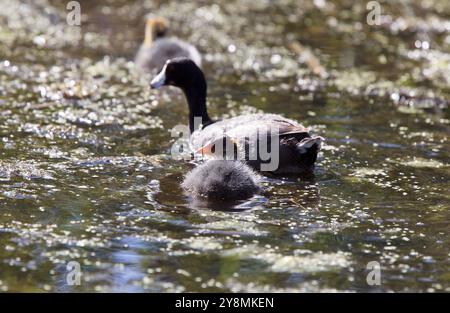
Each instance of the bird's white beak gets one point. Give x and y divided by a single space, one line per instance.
159 79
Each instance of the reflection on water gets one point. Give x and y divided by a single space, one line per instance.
86 173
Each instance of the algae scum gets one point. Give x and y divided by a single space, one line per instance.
86 173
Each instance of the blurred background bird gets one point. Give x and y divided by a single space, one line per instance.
157 48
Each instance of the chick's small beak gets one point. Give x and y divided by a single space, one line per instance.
159 80
206 150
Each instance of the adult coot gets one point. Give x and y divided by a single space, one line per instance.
267 142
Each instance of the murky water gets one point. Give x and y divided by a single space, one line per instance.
86 173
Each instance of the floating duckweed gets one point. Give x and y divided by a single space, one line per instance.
421 163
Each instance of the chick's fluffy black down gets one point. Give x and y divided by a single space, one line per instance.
221 180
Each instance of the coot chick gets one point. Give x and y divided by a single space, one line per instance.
221 180
157 48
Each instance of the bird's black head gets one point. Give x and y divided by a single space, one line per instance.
179 72
186 75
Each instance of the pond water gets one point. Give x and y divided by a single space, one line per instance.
86 173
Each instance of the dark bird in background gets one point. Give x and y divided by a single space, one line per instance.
157 48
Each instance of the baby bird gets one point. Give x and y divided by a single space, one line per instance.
221 180
157 48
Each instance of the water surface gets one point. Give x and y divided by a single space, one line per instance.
86 173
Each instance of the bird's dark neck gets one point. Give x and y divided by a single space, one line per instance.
196 98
